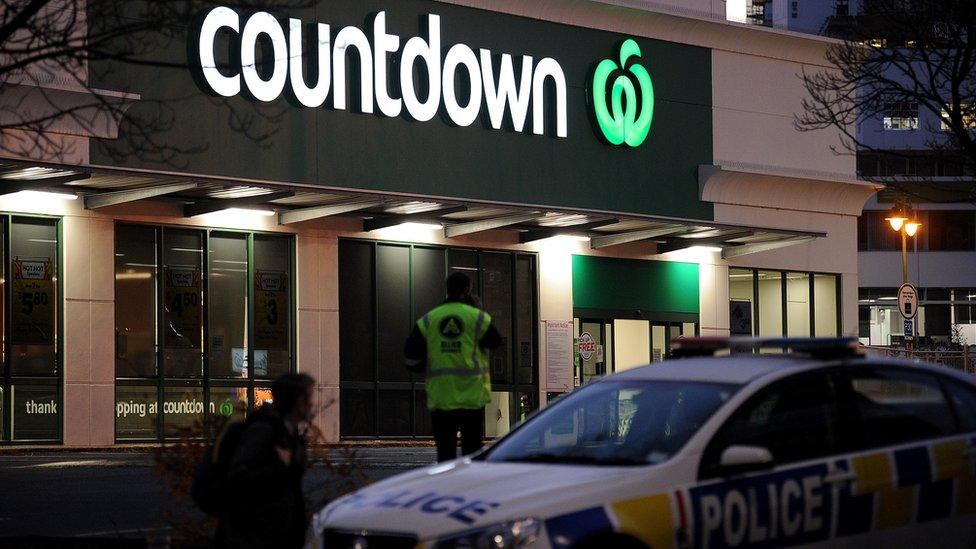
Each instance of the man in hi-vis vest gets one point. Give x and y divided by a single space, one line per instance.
452 340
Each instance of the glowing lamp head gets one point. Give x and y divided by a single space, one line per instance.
896 222
912 227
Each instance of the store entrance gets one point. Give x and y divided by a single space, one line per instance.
608 343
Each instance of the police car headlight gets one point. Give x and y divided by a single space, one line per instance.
505 535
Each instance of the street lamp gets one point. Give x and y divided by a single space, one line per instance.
902 220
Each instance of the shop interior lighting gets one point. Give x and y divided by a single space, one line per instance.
414 225
713 249
248 211
45 195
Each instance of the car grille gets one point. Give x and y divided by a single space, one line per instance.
332 539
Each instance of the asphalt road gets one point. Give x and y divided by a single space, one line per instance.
113 495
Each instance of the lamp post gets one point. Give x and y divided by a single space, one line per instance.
902 220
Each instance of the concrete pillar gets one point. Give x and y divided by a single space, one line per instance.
89 320
318 324
555 299
713 295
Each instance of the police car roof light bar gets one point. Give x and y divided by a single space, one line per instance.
814 347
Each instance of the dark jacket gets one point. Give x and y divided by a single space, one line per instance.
267 506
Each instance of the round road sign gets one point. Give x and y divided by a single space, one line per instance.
908 301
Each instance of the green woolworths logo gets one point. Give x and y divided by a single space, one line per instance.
625 119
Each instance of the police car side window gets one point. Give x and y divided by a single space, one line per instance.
795 419
896 406
963 398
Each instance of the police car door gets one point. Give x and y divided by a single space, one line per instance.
785 501
913 475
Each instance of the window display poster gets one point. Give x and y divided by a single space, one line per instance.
270 311
559 355
33 307
183 307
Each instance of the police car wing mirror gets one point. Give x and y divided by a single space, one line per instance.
742 459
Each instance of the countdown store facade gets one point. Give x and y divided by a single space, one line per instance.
611 178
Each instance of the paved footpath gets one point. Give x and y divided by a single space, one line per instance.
118 494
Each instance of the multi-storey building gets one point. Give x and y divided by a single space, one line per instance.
905 147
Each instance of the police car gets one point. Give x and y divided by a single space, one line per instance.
814 446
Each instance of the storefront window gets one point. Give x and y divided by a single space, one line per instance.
788 303
34 252
742 305
798 304
136 272
770 300
228 320
223 320
182 303
30 364
272 313
383 290
825 305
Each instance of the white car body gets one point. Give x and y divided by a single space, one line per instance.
666 505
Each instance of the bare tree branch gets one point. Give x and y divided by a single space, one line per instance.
48 83
914 52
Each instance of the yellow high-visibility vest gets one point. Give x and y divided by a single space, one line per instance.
458 375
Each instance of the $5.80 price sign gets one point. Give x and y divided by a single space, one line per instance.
33 307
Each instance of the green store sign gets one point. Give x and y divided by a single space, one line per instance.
626 117
427 99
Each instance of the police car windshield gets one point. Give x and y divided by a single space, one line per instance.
615 423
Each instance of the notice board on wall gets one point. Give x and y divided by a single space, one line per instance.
559 355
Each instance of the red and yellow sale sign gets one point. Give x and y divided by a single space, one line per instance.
270 310
33 307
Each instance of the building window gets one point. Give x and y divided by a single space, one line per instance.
776 303
383 289
943 231
30 360
202 324
900 114
874 234
968 117
945 316
947 230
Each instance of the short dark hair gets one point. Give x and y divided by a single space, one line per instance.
288 388
458 285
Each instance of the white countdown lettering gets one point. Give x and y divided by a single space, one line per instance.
419 58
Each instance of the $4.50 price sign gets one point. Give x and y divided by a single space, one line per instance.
183 307
33 307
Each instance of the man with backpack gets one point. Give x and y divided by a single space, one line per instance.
253 482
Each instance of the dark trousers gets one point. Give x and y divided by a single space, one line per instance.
447 423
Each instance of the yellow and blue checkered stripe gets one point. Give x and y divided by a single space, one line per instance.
649 519
909 485
893 488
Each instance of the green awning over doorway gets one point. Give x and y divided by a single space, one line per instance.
635 284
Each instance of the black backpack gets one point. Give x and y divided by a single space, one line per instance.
209 489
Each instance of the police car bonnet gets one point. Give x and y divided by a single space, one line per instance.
286 68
